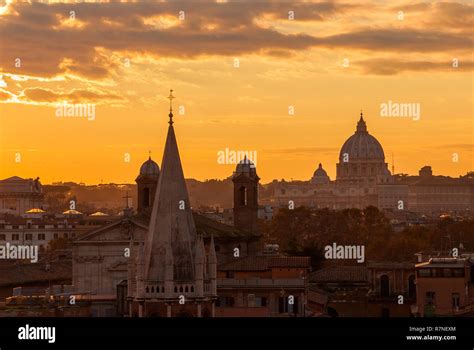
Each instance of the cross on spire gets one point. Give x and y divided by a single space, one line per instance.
149 154
126 197
171 97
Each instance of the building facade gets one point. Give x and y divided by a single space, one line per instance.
18 195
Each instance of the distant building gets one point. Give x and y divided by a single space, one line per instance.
363 179
18 195
41 230
445 287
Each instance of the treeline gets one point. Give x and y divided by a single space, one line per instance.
306 231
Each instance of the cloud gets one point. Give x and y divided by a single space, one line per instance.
5 95
36 34
73 96
385 66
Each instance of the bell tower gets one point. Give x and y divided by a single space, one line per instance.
245 181
147 181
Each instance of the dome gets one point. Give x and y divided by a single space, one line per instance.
362 145
320 176
246 166
320 172
149 168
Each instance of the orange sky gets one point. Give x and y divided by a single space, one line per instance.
124 58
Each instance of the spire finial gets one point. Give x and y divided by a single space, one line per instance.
149 154
171 97
361 126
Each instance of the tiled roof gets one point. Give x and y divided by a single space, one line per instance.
263 263
19 274
208 227
340 274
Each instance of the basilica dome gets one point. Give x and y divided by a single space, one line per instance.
149 168
361 145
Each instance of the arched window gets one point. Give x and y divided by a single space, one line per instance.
146 197
153 289
147 290
162 289
176 289
384 286
186 290
243 195
192 289
181 289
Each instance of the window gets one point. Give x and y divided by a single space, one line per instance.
285 307
243 195
260 301
15 237
384 286
225 302
251 300
65 235
458 272
424 273
446 273
3 237
430 298
411 287
455 301
229 274
29 237
41 237
56 236
146 197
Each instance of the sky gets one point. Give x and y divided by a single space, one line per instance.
285 80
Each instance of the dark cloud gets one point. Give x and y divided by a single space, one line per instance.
393 66
74 96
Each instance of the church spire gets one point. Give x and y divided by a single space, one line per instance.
171 224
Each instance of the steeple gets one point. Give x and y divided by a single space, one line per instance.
172 224
361 125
